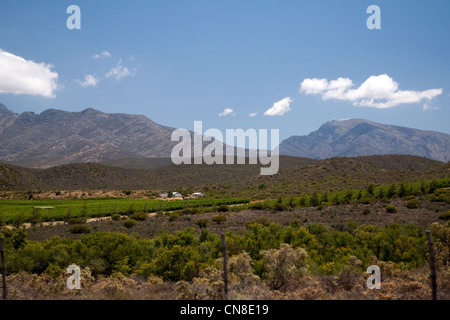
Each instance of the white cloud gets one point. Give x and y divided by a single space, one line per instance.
428 107
225 112
104 54
279 108
119 72
89 81
314 86
253 114
20 76
377 91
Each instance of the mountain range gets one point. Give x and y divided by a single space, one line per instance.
56 137
357 137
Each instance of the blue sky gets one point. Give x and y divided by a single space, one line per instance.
179 61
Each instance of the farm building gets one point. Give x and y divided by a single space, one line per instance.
198 194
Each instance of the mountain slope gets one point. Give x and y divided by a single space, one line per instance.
356 137
58 137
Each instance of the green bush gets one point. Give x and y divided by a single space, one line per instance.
139 216
19 219
202 223
173 216
116 217
219 219
130 223
257 206
173 264
316 228
413 204
445 216
189 211
280 207
391 208
222 208
73 221
53 270
79 228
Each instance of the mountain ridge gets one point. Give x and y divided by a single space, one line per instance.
56 137
359 137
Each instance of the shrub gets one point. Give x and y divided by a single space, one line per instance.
79 228
202 223
138 216
257 206
36 216
280 207
219 219
366 200
18 219
53 270
413 204
116 217
73 221
316 228
189 211
130 210
173 216
371 189
222 208
391 208
366 211
174 264
314 200
445 216
283 266
129 223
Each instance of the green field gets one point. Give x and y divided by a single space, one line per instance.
9 209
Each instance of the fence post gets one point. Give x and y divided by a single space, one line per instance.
225 266
432 265
3 267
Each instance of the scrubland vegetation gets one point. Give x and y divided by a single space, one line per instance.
291 256
308 233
